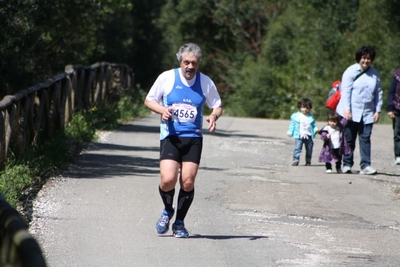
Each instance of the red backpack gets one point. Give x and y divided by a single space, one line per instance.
333 96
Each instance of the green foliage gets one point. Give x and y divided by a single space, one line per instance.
13 180
268 50
255 99
305 49
131 106
27 171
187 15
16 32
84 124
302 46
132 36
67 32
266 55
81 128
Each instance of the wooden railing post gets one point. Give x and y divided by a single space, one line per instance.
18 248
2 140
9 119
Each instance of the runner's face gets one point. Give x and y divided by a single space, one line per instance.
365 62
189 65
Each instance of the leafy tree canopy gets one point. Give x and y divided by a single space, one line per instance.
263 55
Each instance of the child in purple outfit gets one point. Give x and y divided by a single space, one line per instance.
335 145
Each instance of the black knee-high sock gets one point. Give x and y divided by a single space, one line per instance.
167 198
185 199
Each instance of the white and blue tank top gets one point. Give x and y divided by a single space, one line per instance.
187 116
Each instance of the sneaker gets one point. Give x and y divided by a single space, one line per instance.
162 225
346 169
308 164
368 170
328 171
397 161
295 163
179 230
339 170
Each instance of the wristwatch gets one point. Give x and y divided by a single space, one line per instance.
215 116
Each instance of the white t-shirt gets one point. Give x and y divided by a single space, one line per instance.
183 98
165 81
304 125
335 135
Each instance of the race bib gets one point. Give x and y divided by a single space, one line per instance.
184 112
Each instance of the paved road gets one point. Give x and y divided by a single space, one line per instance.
251 207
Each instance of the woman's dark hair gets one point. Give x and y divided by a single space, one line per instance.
333 116
363 51
305 102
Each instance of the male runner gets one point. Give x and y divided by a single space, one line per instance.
179 95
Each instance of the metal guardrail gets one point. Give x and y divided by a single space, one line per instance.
48 106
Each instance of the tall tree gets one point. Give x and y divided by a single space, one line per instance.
132 36
15 52
228 32
300 57
42 36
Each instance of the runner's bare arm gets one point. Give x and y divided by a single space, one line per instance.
212 119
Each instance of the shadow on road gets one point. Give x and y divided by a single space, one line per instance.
225 237
107 166
220 133
138 128
222 237
388 174
103 146
223 133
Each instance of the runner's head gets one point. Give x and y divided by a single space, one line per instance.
189 57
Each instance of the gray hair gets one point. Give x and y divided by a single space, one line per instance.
190 48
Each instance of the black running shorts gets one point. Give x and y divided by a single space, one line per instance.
181 149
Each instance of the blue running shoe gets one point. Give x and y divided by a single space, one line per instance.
162 225
179 230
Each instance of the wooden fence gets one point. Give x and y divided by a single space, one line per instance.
44 109
49 106
17 246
